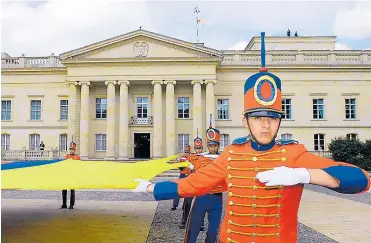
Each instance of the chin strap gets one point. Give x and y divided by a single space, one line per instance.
254 138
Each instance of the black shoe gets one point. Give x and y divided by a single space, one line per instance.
202 228
63 206
173 208
71 207
182 225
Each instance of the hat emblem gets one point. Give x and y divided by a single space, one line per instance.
265 90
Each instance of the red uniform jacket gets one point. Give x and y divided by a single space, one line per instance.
255 212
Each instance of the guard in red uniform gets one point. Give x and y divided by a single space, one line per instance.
212 202
198 147
184 172
71 155
265 177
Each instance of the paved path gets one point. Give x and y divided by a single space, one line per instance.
343 220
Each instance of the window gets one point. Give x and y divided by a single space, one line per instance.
100 108
5 141
6 110
286 136
352 136
142 107
319 142
224 141
63 142
223 109
350 108
35 110
286 108
183 107
318 112
100 142
34 141
64 110
183 140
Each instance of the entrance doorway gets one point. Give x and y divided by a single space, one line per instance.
142 142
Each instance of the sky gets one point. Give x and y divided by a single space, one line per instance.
39 28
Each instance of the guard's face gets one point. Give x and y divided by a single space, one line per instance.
198 150
263 128
213 148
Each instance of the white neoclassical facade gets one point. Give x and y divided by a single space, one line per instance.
145 95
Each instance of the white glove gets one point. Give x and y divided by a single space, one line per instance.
142 187
284 176
191 166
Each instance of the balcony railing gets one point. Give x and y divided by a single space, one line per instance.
141 121
31 62
14 155
325 154
284 58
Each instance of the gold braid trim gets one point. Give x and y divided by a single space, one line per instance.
248 169
262 154
255 205
254 225
254 215
231 194
252 234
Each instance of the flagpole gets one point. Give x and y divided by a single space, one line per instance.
196 11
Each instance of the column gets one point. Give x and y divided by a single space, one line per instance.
72 112
111 119
210 102
157 119
170 118
197 110
124 120
84 120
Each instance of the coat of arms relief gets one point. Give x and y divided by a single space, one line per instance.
140 49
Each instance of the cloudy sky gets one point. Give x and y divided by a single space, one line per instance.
38 28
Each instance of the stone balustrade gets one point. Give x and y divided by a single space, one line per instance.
31 62
325 58
14 155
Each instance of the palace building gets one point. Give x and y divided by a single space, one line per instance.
145 95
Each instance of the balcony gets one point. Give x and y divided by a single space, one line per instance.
141 121
14 155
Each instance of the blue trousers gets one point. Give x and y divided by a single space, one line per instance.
176 200
213 205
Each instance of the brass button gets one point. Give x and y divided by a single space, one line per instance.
229 158
228 231
255 188
283 159
254 159
253 234
229 221
230 203
231 151
253 197
254 215
230 194
229 176
254 225
278 216
278 234
230 213
278 205
230 184
283 151
256 169
281 187
279 196
229 240
278 226
254 179
228 167
253 205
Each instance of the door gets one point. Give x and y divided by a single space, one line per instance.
142 142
